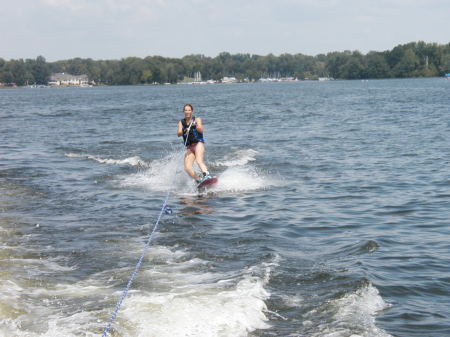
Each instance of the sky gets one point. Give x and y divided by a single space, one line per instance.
114 29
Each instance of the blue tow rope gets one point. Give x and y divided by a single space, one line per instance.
164 209
137 267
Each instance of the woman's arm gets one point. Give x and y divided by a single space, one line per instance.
180 129
199 124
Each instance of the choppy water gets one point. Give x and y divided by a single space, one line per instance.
331 216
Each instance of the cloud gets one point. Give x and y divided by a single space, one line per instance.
66 4
106 5
113 29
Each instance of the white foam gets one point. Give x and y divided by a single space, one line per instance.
156 253
293 301
364 302
10 292
176 299
32 310
184 299
162 175
168 173
238 158
81 323
242 178
42 265
55 325
132 161
352 315
199 304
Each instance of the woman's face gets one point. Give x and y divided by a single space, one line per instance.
187 111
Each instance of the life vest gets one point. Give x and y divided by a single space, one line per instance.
194 136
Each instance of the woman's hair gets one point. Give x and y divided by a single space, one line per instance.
189 105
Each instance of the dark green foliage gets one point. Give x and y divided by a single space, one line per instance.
415 59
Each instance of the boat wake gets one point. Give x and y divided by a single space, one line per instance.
236 172
132 161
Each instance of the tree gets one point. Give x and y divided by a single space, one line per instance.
377 66
411 59
445 64
353 69
336 61
18 72
146 76
407 64
40 70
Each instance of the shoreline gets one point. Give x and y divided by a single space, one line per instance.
43 86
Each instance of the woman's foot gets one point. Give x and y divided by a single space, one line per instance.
205 177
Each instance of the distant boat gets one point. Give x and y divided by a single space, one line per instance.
447 76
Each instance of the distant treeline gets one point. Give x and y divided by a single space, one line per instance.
415 59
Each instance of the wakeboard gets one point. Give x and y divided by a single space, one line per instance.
207 183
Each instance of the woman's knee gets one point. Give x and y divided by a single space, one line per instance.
189 159
199 150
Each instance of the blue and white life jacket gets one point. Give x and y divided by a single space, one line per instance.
194 136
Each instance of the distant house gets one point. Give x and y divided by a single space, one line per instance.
13 85
68 79
229 79
323 79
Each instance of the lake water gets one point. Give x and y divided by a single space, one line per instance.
330 218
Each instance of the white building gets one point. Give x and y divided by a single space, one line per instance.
229 79
68 79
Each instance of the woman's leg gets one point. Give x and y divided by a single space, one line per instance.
189 159
199 154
